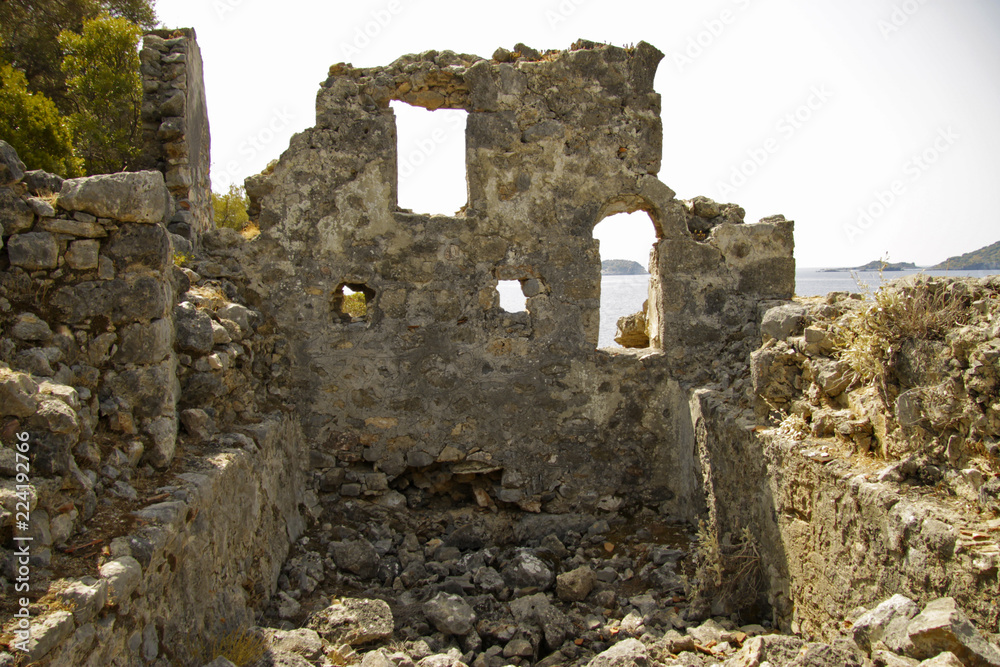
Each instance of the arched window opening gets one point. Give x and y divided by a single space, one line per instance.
430 159
625 242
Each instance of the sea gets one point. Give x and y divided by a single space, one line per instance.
623 295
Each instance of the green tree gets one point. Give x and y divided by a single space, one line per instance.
30 29
101 64
31 123
230 209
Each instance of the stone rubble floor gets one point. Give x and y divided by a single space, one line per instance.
496 588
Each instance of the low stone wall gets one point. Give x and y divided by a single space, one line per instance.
198 563
832 538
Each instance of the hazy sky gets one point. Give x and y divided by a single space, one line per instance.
874 124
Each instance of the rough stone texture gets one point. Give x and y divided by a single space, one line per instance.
632 331
628 653
942 626
561 411
870 627
33 251
783 321
11 167
128 196
176 139
450 614
353 622
575 585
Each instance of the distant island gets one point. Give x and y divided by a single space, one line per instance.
877 265
621 267
987 259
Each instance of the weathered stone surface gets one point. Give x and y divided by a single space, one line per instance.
193 329
85 229
83 255
145 343
30 327
628 653
17 394
773 649
575 585
140 247
33 251
450 614
124 300
632 331
870 627
942 626
127 196
537 609
42 184
357 556
86 601
237 313
11 167
353 621
783 321
15 215
48 632
528 571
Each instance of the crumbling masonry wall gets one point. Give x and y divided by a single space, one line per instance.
436 389
175 132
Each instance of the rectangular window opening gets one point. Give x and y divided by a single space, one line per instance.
430 159
512 297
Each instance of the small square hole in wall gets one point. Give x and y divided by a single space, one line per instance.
352 302
512 297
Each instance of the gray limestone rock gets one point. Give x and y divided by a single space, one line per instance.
450 614
15 215
783 321
527 570
126 196
870 627
353 621
83 255
33 251
357 556
194 329
30 327
17 394
575 585
942 626
42 183
628 653
145 343
11 167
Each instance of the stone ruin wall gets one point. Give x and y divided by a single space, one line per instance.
175 129
436 391
437 386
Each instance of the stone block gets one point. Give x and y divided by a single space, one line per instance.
352 621
30 327
33 251
123 576
83 255
193 329
145 343
137 247
83 228
42 183
783 321
942 626
11 167
17 394
15 215
125 300
138 196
